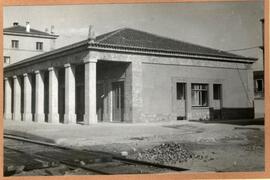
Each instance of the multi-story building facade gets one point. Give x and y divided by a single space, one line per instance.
21 42
258 74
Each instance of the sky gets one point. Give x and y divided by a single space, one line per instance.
219 25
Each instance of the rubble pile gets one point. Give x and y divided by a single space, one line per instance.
166 153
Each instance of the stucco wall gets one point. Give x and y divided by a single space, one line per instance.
158 85
150 80
27 47
259 108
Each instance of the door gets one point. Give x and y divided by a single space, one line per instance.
180 100
100 101
118 101
217 101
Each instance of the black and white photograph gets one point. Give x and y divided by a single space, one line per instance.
142 88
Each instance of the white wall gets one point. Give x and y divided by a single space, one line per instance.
27 47
157 85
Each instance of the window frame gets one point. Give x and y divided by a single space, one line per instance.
39 46
256 86
203 87
6 57
219 92
15 44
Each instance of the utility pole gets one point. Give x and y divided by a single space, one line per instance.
262 47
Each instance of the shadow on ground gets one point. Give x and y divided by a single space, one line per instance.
28 136
240 122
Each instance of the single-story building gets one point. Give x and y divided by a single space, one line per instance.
129 76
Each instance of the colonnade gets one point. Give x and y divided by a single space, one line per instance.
19 95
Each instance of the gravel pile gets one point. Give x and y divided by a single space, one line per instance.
166 153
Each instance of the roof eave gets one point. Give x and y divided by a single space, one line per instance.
31 35
162 52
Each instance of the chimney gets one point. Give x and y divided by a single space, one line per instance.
15 24
52 29
91 34
46 30
27 27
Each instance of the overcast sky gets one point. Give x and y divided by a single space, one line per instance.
226 25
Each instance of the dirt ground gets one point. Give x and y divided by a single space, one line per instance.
210 147
233 153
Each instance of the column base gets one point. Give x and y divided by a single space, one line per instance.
8 116
70 119
53 118
189 116
40 118
90 120
27 117
17 117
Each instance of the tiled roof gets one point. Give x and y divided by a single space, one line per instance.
132 38
129 39
22 30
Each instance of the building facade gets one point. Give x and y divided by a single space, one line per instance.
129 76
21 42
258 74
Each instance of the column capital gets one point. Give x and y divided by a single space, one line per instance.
90 60
6 78
67 65
51 68
37 72
15 77
25 74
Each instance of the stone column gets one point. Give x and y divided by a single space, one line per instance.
70 88
16 99
90 116
188 102
53 116
39 99
8 104
27 113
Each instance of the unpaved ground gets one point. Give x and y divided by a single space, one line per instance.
214 147
232 153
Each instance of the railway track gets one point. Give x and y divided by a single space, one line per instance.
24 155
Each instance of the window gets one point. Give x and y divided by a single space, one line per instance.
217 91
180 91
39 46
259 86
199 94
6 59
15 44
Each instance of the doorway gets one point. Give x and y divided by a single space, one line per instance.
118 101
100 101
